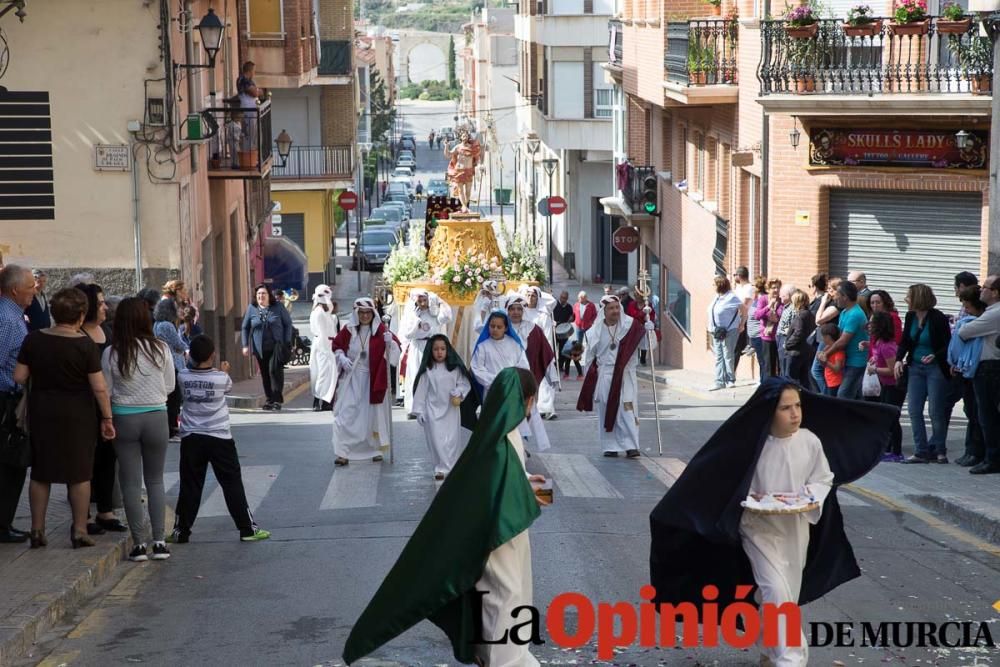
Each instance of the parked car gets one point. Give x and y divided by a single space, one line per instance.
407 155
406 163
376 243
408 142
392 215
403 208
437 187
402 172
396 187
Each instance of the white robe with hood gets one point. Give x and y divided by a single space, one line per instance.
323 327
417 326
441 420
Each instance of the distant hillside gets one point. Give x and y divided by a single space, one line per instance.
437 16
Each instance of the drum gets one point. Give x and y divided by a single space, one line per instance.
564 330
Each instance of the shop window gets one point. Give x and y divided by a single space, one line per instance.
679 304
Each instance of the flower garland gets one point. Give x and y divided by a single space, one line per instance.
467 272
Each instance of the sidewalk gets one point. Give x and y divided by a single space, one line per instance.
249 394
949 492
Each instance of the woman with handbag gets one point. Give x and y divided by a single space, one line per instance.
64 367
923 355
725 314
267 334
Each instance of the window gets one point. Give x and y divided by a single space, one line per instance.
602 103
266 19
679 304
681 161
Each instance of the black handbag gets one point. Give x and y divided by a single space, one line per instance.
15 444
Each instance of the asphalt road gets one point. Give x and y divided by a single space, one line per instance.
292 600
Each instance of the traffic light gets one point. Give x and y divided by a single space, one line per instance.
650 194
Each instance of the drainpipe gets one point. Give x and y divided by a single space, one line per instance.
190 58
136 227
765 168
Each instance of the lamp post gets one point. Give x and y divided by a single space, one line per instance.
532 143
549 164
211 30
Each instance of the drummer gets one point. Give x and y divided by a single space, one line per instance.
562 315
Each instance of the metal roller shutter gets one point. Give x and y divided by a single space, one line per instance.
293 228
898 239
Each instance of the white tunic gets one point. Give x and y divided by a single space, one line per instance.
597 350
416 328
777 545
322 363
360 429
491 357
507 577
442 420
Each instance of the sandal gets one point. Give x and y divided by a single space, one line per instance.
340 461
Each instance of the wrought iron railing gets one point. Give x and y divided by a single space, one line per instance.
701 52
315 162
616 41
630 181
932 57
241 138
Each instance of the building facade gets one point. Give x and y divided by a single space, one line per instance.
565 103
117 171
794 155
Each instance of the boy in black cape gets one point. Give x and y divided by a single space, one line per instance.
699 535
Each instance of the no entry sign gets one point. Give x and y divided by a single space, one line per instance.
625 239
347 200
557 205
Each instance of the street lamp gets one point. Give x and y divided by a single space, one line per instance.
793 136
284 143
211 30
961 139
532 143
549 164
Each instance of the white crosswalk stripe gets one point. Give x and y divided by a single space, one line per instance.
353 486
665 470
577 477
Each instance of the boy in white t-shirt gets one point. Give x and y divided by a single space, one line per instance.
206 438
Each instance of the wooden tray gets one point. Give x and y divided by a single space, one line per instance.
791 510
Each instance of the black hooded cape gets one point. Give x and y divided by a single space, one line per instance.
695 527
471 401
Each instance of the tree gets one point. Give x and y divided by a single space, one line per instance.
452 80
383 113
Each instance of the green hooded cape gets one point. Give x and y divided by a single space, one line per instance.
471 401
484 502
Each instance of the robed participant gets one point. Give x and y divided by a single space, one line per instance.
541 362
323 326
474 537
783 441
361 410
538 309
498 347
426 315
610 355
444 403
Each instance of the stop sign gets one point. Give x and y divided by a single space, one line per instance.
557 205
347 200
625 239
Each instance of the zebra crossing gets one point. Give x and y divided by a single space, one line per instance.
358 486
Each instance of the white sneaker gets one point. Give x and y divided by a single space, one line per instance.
730 385
716 387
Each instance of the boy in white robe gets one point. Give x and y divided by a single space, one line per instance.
426 315
439 389
791 462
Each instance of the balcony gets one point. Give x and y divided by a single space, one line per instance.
336 62
616 40
316 165
240 142
627 203
579 30
928 73
700 62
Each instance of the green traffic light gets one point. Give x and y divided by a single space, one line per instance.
650 207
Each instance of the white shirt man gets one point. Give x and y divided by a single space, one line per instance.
426 315
611 354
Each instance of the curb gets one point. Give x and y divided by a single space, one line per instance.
697 391
20 631
293 387
982 520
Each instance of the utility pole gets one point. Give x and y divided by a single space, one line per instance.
991 24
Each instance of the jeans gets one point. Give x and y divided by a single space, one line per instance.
850 386
928 384
757 343
724 349
987 384
893 395
816 370
779 341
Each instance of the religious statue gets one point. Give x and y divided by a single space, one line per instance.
463 160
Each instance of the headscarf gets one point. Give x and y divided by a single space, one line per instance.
485 333
695 527
322 295
452 361
545 300
363 303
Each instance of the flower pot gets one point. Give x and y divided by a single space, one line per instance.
698 78
248 159
982 84
805 84
946 27
717 10
913 28
864 30
214 163
802 31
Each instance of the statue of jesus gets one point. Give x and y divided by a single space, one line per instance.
463 159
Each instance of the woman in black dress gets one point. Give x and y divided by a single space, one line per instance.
103 483
64 369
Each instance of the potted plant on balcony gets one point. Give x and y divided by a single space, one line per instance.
953 20
699 62
802 23
910 18
975 59
861 22
716 7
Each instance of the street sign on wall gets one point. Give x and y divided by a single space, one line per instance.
625 239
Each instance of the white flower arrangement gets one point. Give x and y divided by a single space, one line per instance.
523 261
406 264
